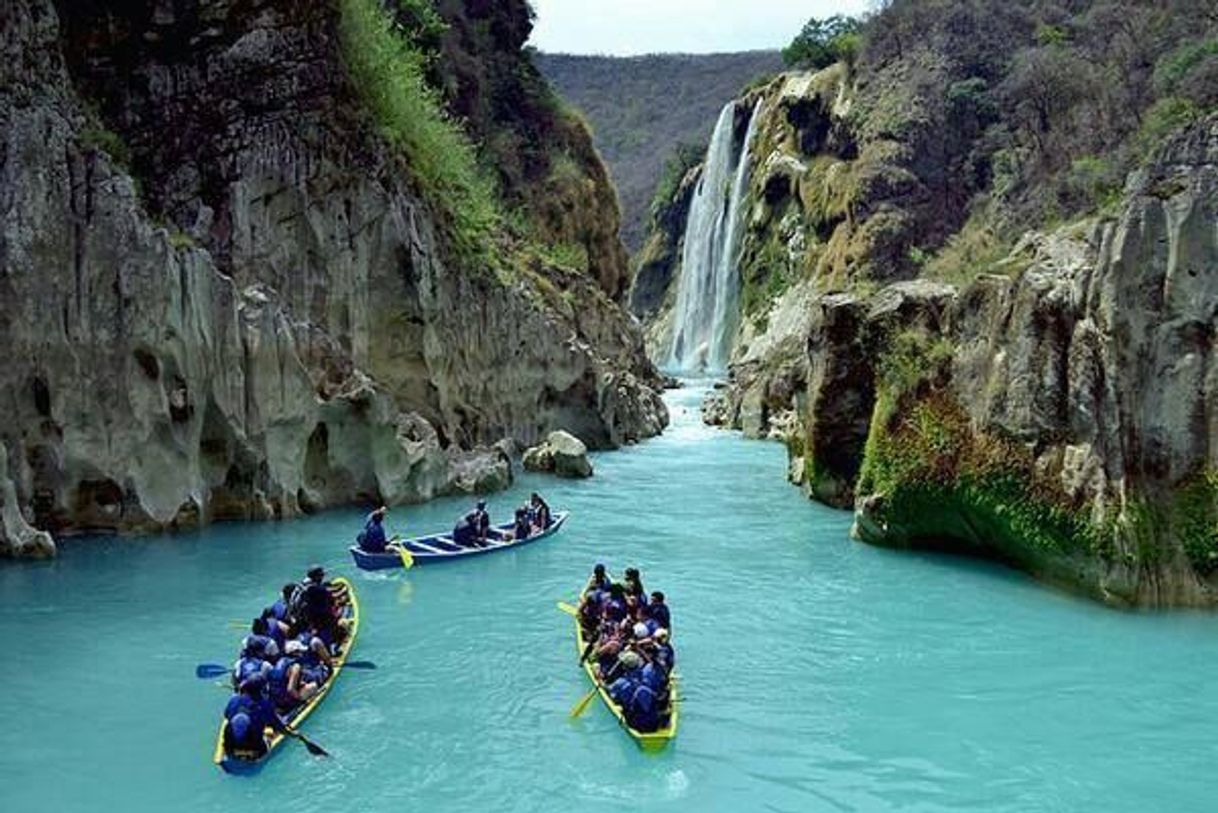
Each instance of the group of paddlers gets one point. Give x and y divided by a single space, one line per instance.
285 660
628 635
473 530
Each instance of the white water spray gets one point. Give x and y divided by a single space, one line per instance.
708 290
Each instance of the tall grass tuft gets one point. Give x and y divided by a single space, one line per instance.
389 72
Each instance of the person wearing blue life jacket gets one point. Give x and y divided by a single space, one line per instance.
598 580
253 661
522 529
541 518
615 605
372 539
287 683
248 714
658 610
472 530
280 609
662 652
267 627
316 662
642 708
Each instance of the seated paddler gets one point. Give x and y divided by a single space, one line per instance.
372 539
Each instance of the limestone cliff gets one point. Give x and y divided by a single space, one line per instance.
223 295
1046 399
1053 413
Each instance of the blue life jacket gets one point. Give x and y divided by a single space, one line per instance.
247 667
522 530
653 676
463 532
660 613
277 683
279 610
621 689
642 711
260 711
256 645
372 539
666 656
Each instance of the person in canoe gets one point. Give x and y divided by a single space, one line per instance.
598 580
633 583
658 610
318 606
248 714
473 529
523 529
540 510
286 683
372 539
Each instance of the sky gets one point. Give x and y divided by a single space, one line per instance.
629 27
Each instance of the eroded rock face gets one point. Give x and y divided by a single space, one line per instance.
17 539
1055 418
280 336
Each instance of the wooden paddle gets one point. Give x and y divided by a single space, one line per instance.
579 707
313 748
568 609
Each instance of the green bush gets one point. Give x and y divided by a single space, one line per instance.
823 42
1173 69
684 158
1165 117
101 139
389 72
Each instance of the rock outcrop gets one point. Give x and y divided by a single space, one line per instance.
222 297
562 454
17 539
1056 417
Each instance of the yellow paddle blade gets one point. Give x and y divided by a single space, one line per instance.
567 608
407 558
579 707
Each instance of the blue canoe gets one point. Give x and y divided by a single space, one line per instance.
431 549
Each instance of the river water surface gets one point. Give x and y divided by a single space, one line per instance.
819 674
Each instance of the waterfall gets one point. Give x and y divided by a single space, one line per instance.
708 290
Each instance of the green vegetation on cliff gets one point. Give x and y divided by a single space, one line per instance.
390 71
939 481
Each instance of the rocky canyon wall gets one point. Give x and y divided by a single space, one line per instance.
222 297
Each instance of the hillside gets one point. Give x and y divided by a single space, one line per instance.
641 108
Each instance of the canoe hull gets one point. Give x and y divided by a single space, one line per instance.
650 741
245 767
441 549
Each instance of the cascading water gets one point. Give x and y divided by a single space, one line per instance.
708 291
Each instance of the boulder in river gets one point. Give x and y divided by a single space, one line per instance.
562 454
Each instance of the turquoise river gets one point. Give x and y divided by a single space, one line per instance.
819 674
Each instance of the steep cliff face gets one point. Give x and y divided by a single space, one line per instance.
1054 413
1043 399
224 297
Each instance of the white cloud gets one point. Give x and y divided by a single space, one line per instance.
664 26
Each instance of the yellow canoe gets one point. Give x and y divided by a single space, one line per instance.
232 764
649 741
